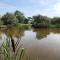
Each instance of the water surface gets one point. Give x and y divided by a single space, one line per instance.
40 44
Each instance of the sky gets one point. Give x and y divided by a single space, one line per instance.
49 8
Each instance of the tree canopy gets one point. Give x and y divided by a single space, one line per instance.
9 19
55 20
40 19
20 16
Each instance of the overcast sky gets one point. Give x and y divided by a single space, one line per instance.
31 7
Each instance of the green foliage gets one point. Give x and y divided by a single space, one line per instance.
13 19
26 21
40 19
55 20
20 16
6 52
9 19
1 23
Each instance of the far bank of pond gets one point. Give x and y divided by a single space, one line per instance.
32 25
44 25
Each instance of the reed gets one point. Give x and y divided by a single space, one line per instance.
7 53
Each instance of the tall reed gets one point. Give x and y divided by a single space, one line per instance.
7 53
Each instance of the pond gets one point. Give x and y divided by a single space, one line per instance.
40 44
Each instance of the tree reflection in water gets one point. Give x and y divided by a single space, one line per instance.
13 33
43 32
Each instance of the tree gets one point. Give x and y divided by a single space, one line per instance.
36 19
1 23
40 19
20 16
26 21
55 20
9 19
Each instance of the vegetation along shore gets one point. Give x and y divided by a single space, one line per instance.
38 21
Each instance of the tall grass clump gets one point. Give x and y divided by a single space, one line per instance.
7 52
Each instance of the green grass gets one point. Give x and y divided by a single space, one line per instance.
3 26
17 25
54 26
23 26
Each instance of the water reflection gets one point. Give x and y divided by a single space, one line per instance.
13 34
43 32
13 44
55 30
2 38
19 33
16 32
42 44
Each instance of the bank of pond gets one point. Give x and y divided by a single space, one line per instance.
44 25
40 25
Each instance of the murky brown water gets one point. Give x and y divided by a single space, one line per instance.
41 44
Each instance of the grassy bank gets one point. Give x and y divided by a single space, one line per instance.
54 26
23 26
3 26
18 25
26 26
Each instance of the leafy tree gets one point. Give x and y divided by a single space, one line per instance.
26 21
20 16
1 23
55 20
9 19
36 19
40 19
